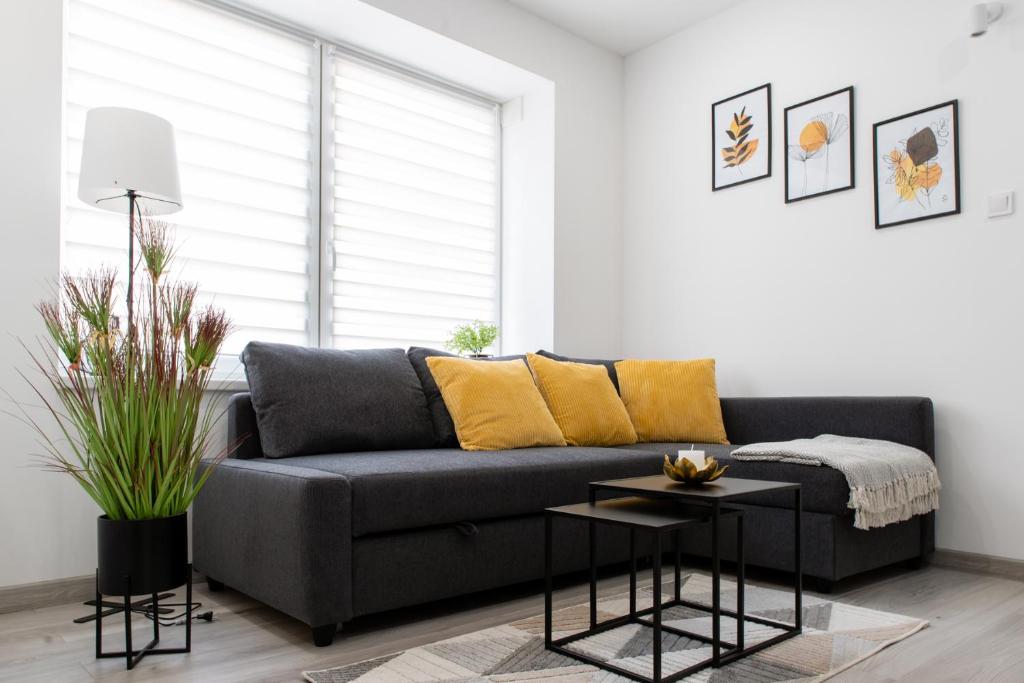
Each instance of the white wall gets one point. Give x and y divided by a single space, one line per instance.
47 522
588 154
809 298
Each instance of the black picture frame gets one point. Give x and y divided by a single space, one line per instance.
849 134
878 161
717 143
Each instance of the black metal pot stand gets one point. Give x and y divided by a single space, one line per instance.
153 607
653 514
141 558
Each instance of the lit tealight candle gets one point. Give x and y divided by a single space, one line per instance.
696 457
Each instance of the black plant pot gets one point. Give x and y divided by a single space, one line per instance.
149 555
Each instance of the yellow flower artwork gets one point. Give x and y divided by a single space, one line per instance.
819 145
917 166
913 169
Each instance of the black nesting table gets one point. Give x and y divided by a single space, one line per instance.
657 505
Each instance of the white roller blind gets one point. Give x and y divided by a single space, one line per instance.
241 99
415 208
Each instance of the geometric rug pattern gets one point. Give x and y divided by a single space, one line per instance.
835 636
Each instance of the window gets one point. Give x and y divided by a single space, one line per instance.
370 220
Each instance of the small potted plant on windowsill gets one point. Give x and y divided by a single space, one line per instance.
472 339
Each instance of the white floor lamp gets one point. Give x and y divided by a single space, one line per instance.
129 165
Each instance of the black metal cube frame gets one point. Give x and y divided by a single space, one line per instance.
734 651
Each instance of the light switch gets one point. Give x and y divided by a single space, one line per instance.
1000 204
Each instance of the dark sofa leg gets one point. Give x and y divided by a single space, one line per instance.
324 635
214 585
915 563
825 586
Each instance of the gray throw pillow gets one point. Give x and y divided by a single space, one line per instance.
610 364
444 427
332 401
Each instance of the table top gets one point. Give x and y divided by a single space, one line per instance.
646 513
725 488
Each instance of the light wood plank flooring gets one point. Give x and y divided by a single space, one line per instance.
976 633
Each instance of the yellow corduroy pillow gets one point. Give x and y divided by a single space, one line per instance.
672 400
583 401
495 405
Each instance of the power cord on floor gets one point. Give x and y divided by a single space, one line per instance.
180 619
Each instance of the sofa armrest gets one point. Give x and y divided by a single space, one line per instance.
905 420
280 534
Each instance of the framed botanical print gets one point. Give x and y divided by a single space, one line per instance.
819 146
917 166
741 138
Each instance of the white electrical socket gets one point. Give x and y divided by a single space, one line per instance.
1000 204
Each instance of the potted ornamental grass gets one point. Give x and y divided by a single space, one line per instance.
472 339
125 404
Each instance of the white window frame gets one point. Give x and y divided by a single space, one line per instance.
321 266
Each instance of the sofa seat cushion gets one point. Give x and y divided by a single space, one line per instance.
822 489
409 489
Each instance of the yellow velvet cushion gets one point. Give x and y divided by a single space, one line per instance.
494 404
583 401
672 400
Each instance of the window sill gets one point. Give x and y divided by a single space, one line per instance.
227 386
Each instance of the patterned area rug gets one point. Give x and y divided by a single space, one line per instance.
835 637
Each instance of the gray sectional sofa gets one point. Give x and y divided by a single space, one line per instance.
327 536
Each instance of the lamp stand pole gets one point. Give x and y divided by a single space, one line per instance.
131 260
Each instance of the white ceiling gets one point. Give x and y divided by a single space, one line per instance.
624 26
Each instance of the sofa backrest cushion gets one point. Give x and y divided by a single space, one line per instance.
609 364
444 427
330 401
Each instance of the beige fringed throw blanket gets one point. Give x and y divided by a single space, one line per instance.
888 482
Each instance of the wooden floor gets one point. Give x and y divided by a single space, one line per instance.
976 633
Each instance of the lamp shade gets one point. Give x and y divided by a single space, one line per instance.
127 149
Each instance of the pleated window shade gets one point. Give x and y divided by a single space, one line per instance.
354 209
415 207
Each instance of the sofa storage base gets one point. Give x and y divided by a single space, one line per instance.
442 562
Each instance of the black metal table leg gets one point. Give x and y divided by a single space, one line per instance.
678 539
632 573
547 579
740 582
716 586
656 597
797 564
593 574
593 567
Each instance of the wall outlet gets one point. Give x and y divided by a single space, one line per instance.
1000 204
